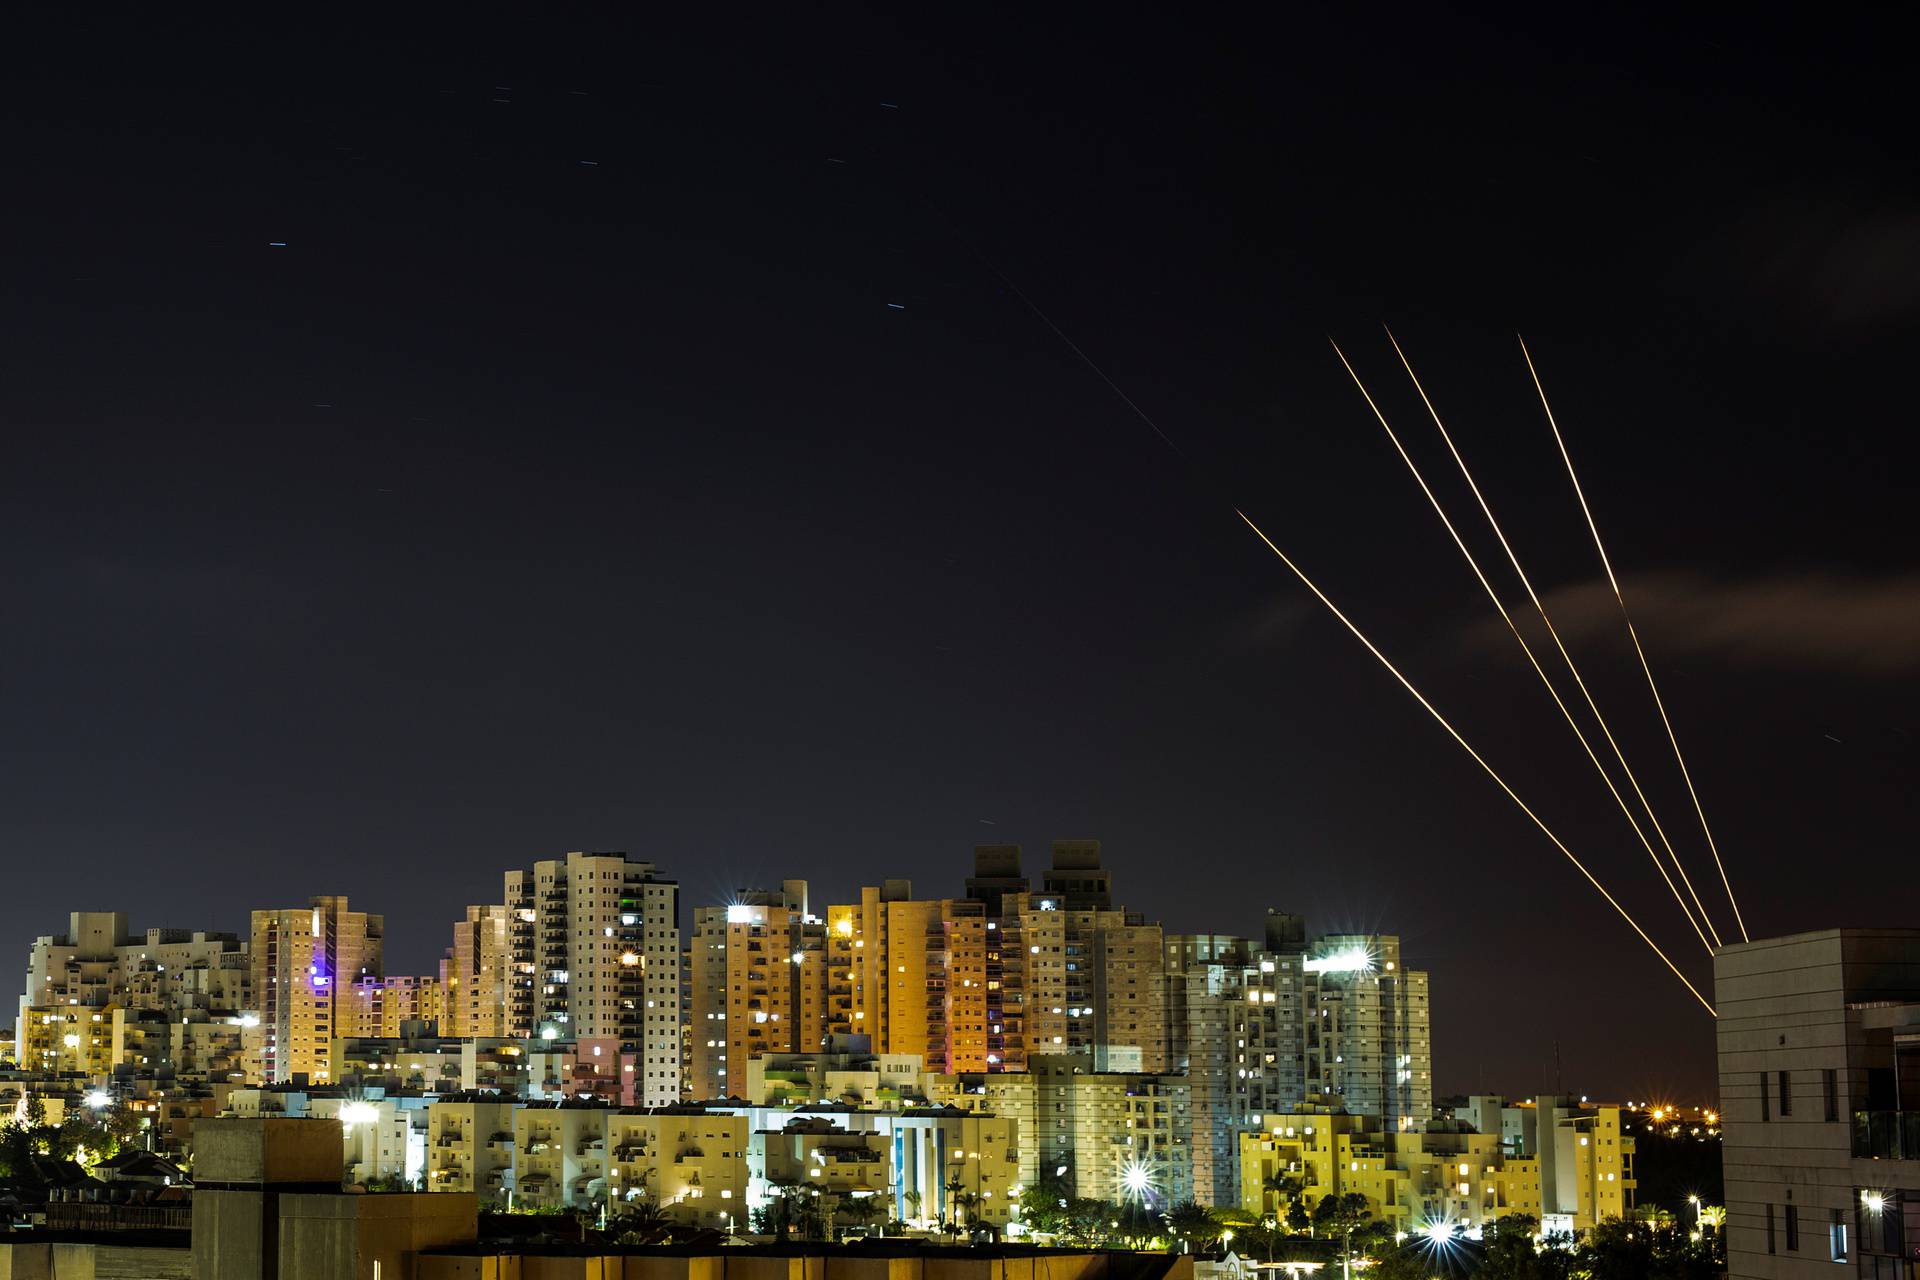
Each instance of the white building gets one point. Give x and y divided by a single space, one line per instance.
1819 1042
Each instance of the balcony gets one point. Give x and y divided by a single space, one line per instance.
1886 1135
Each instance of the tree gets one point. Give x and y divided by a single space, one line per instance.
1043 1206
1192 1225
1339 1217
866 1211
1616 1250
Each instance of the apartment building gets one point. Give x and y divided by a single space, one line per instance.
175 973
474 975
689 1160
1099 1132
1819 1047
758 982
303 960
390 1006
595 946
560 1154
1568 1165
470 1146
1262 1025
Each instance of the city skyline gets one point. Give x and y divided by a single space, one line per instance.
430 454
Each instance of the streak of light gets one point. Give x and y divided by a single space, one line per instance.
1566 657
1645 667
1478 759
1168 440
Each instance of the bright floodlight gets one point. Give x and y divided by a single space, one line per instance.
1346 960
1440 1232
353 1113
1135 1178
1874 1201
739 913
98 1099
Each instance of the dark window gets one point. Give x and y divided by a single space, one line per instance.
1786 1094
1830 1083
1793 1228
1766 1104
1770 1239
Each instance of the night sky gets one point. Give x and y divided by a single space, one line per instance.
431 450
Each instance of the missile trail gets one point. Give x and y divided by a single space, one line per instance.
1525 648
1477 757
1318 594
1566 657
1641 653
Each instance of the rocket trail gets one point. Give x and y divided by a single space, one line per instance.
1477 757
1525 648
1566 657
1639 652
1319 595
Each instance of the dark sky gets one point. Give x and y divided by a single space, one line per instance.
568 480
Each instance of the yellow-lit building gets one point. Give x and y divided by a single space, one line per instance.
757 969
470 1147
302 960
70 1039
690 1161
1098 1125
473 975
371 1007
559 1155
1566 1165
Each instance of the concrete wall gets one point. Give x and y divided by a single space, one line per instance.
232 1235
341 1237
43 1260
263 1150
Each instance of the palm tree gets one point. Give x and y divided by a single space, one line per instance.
968 1202
911 1198
868 1211
953 1186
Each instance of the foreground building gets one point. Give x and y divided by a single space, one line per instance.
1819 1043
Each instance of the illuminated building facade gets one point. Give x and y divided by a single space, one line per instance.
473 975
303 960
595 946
1261 1026
175 974
1099 1132
758 978
371 1006
1570 1166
